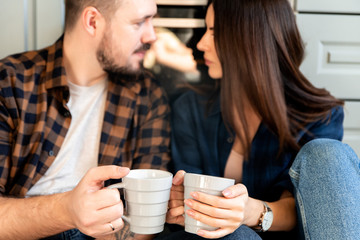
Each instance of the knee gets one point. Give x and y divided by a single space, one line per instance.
324 154
323 151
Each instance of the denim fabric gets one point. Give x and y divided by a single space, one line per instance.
243 232
73 234
326 176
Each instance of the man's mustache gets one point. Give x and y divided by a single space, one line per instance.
144 47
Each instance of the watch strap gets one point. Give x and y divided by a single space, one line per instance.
260 227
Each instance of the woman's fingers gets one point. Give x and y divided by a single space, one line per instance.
215 212
212 221
214 234
220 202
235 191
226 213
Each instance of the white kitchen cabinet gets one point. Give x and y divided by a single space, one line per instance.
49 21
29 24
12 27
352 125
332 54
329 6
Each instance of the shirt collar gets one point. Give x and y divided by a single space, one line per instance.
55 70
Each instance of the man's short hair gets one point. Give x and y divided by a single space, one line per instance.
74 8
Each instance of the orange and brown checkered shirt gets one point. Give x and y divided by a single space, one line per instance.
34 119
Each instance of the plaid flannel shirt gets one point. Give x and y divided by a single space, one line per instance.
34 119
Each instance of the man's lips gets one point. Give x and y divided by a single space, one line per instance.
140 53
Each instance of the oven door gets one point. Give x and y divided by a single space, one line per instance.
174 58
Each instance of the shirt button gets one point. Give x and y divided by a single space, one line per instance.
51 153
230 140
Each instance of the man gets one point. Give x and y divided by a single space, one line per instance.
66 109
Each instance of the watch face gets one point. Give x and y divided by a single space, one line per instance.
267 221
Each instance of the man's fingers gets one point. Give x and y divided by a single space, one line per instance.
176 195
179 177
103 173
175 215
176 203
111 213
106 197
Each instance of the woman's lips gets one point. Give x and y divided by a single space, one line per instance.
207 62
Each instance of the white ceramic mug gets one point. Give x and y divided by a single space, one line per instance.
147 192
206 184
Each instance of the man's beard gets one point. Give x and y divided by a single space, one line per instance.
108 62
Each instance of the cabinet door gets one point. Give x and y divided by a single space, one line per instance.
332 59
12 27
335 6
49 22
352 125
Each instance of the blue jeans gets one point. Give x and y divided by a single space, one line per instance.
326 176
73 234
243 232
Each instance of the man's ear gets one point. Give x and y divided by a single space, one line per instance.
92 20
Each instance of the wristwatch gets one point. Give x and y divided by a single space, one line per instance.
265 220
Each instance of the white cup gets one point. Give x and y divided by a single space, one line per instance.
206 184
147 192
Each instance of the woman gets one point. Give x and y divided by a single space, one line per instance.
252 130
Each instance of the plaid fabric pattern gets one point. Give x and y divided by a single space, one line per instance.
34 119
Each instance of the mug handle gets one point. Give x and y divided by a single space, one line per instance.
120 185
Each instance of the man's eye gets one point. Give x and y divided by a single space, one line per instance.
140 23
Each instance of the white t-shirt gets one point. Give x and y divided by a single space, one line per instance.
80 149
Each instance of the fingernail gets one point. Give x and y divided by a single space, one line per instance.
124 169
227 193
194 195
190 213
200 233
176 180
189 203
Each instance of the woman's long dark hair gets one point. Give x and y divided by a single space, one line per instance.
260 50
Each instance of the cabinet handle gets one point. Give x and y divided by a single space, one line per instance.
179 22
182 2
344 57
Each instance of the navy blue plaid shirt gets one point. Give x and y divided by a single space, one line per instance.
201 144
34 120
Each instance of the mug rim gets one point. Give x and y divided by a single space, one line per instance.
209 176
167 174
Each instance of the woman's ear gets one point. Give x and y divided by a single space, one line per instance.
92 20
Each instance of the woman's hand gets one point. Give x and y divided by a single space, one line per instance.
228 213
175 214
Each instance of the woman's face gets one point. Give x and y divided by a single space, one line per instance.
207 45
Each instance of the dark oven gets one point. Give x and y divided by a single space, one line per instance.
174 58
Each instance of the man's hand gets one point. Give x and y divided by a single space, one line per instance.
176 202
91 207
